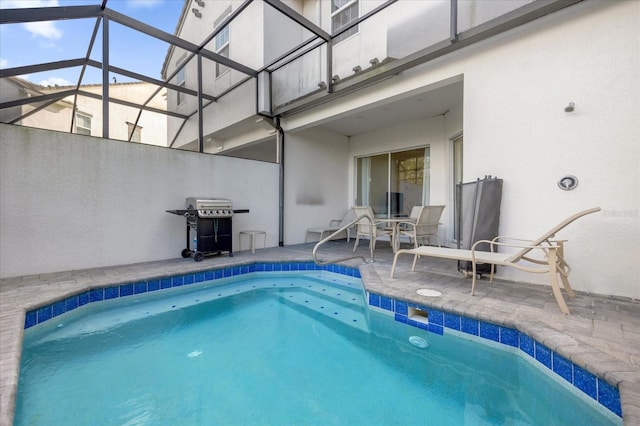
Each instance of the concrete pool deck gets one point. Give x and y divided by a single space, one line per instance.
602 334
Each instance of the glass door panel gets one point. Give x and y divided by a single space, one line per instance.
392 183
372 182
408 171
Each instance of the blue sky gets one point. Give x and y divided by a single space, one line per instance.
40 42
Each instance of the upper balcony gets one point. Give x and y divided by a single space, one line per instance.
230 62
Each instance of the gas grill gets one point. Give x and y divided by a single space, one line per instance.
209 226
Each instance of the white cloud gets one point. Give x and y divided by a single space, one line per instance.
143 4
4 63
47 29
52 81
21 4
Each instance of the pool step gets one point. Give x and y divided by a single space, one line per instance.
345 308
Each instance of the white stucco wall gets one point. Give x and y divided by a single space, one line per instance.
316 172
72 202
516 128
516 86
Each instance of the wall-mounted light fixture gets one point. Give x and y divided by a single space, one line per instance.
322 85
196 12
568 182
335 79
357 69
374 61
200 3
570 107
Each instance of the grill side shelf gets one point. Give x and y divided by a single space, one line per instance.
182 212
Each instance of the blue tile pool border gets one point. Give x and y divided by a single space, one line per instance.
593 386
438 320
44 313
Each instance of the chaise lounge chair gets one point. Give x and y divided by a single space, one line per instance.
333 226
553 262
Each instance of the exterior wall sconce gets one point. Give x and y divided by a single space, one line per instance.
322 85
374 62
196 12
200 3
570 107
357 69
335 79
568 182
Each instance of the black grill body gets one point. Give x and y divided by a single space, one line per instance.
213 235
209 227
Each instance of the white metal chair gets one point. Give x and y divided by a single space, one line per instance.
425 226
364 227
413 217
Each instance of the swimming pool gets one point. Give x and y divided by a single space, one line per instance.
291 322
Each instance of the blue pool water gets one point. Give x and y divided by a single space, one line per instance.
273 349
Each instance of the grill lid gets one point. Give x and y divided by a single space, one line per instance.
210 207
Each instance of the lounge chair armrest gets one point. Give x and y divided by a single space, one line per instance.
502 238
494 243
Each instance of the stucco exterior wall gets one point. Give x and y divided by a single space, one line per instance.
515 127
316 172
73 202
516 86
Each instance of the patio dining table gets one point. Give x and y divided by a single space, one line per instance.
393 223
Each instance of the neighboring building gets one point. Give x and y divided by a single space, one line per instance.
410 108
124 124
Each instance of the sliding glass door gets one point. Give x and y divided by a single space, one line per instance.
393 182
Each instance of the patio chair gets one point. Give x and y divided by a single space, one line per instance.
413 217
552 263
425 226
364 227
334 225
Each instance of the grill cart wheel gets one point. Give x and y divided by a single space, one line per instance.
186 253
198 256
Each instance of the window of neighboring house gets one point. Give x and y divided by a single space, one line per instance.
343 12
83 124
137 132
181 78
222 41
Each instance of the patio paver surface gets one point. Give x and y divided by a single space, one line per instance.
602 334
